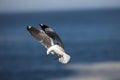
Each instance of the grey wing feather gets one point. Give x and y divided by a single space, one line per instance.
41 36
54 36
51 33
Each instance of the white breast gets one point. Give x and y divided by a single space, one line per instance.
60 51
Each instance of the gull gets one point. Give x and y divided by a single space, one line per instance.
51 41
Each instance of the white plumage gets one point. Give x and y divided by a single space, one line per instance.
59 51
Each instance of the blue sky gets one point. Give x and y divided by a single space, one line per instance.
7 6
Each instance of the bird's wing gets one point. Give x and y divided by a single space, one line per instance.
51 33
41 36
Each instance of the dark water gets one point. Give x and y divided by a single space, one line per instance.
88 36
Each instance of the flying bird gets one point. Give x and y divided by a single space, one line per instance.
51 41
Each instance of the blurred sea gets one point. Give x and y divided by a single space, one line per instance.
91 36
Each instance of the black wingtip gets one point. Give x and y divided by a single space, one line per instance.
32 29
43 26
29 27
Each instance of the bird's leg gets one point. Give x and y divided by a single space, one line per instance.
59 56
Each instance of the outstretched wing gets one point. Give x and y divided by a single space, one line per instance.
41 36
51 33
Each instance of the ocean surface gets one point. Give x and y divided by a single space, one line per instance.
90 37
